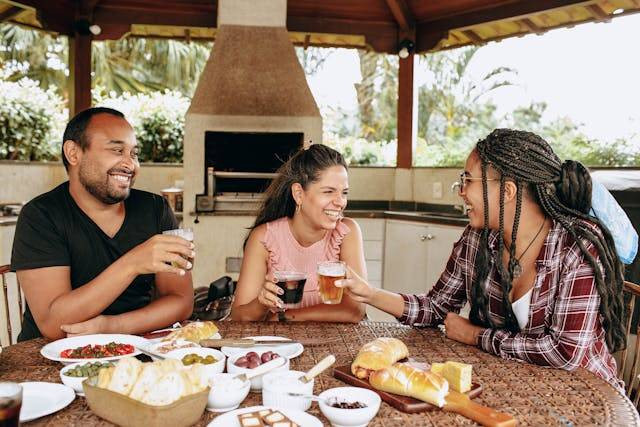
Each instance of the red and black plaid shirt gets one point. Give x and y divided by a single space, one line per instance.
564 328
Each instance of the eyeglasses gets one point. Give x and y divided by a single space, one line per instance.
464 180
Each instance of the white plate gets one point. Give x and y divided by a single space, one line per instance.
287 350
215 336
52 350
40 399
230 419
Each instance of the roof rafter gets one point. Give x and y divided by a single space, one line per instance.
597 12
402 14
531 26
11 13
494 13
473 36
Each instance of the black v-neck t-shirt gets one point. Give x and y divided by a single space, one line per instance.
53 231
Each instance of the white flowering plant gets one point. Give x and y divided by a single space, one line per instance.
31 121
158 119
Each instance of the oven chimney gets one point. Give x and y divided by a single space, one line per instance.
252 83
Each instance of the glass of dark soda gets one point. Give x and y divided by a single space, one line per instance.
10 404
292 283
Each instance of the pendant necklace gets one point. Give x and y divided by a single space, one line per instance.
517 268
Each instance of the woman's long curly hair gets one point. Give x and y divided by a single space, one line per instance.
563 191
303 168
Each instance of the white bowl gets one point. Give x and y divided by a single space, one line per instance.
210 369
275 385
350 417
225 398
74 382
256 382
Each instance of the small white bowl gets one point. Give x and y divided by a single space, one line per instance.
350 417
275 385
210 369
256 382
74 382
224 398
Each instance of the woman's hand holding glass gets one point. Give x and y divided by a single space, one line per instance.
268 295
358 288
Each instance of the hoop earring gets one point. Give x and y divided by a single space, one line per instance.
299 207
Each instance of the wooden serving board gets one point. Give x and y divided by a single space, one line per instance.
401 403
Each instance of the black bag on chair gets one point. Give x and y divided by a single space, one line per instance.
214 302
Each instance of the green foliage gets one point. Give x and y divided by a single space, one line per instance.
361 152
30 121
35 55
158 119
377 95
128 65
570 142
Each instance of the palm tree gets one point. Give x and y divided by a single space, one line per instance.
128 65
33 54
451 101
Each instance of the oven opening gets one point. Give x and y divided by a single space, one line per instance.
240 165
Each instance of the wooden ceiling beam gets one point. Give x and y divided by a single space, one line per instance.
495 13
10 13
169 13
159 16
598 13
381 36
474 37
402 14
531 26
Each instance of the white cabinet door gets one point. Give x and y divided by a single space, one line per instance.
405 257
441 239
416 254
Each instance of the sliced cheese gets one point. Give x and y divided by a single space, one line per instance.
437 368
458 375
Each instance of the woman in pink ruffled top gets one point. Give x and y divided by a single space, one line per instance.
300 224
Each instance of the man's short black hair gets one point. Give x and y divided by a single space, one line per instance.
77 126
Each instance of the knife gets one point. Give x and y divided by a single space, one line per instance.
248 342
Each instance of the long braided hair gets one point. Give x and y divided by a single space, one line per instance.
563 190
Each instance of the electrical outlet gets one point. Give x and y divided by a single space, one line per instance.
437 190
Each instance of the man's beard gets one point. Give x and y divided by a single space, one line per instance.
100 189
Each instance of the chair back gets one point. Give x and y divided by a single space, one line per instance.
11 307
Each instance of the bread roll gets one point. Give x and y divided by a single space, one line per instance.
125 375
104 376
406 380
168 389
377 354
193 332
149 376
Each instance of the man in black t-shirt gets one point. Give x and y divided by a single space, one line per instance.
89 253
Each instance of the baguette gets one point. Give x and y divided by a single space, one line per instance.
377 354
406 380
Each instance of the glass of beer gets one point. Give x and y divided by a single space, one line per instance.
185 233
328 273
292 283
10 404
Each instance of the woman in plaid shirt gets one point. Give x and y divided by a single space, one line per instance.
541 275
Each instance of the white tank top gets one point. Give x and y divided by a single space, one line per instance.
521 308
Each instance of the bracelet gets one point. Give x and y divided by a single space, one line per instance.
281 316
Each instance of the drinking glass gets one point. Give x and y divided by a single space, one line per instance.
185 233
328 273
292 283
10 404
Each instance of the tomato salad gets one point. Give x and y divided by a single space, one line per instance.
97 351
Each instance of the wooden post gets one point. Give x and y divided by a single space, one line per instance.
405 118
79 73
